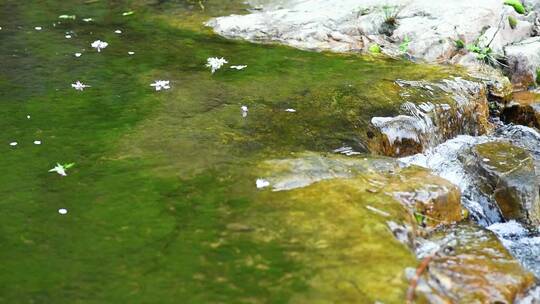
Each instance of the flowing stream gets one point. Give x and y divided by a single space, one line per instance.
162 200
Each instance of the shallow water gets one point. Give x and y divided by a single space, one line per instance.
162 197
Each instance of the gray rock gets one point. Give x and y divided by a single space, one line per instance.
348 25
523 61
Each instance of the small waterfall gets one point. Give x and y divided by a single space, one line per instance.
454 106
446 160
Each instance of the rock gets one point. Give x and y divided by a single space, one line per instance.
458 106
430 196
498 86
336 226
524 109
523 137
532 4
507 172
472 266
308 168
434 200
523 60
347 25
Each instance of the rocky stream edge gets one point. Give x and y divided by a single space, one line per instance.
453 184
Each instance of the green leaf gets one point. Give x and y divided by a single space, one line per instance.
375 49
512 21
404 46
67 166
420 218
460 44
517 5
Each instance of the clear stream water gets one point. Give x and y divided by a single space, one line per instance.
163 182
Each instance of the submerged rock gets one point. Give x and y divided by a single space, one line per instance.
434 199
507 172
358 233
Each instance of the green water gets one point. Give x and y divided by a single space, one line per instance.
159 176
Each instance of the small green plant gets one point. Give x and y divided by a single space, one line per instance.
538 76
391 13
420 219
481 52
485 54
460 44
404 46
375 49
517 5
512 22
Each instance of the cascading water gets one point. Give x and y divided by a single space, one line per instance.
445 160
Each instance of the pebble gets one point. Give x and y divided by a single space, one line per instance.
13 144
62 211
290 110
78 54
68 36
485 160
37 142
27 116
38 28
131 53
118 31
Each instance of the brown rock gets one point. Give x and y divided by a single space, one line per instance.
472 266
524 109
432 199
507 173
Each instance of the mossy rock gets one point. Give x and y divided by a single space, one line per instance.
356 234
507 173
474 267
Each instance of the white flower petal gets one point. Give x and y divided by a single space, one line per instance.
262 183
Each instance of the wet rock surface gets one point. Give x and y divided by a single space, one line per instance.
449 160
523 109
507 172
472 266
459 107
497 173
365 224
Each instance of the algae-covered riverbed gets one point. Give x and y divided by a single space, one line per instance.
162 202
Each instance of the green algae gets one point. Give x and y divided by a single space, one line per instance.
161 175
